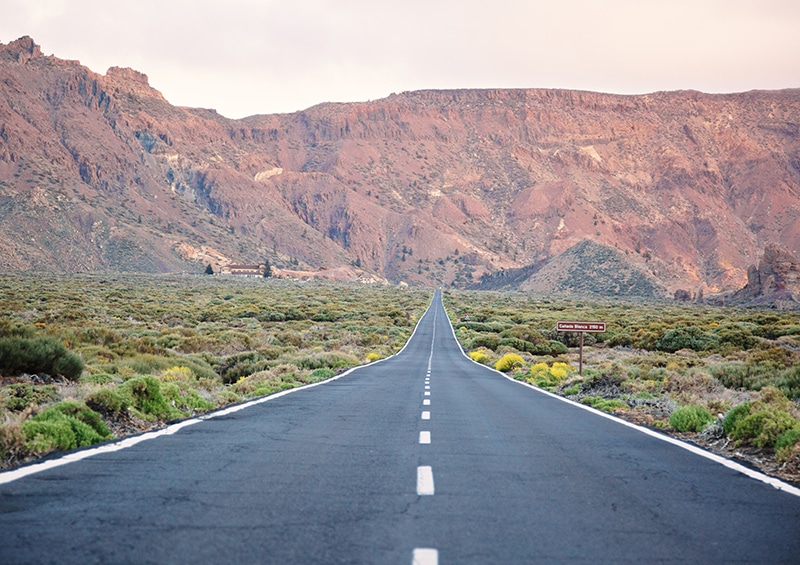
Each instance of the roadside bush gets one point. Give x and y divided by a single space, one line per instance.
145 393
690 419
785 442
480 357
323 373
373 357
543 375
734 416
108 401
491 342
762 421
187 401
326 359
509 362
66 425
603 404
20 396
39 355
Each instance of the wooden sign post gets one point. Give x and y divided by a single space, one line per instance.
581 327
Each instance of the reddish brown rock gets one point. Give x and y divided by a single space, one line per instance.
435 187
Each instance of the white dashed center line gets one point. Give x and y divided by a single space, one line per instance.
425 438
427 393
426 402
425 556
426 415
424 481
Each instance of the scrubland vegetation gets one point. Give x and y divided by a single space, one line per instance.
728 379
87 358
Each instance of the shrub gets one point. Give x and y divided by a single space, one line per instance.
64 426
786 441
108 401
186 401
39 355
557 348
734 416
762 421
509 362
480 357
690 418
603 404
98 379
690 337
20 396
373 357
323 373
491 342
145 393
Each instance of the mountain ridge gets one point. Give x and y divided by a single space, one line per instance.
428 187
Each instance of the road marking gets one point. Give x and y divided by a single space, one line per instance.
426 415
426 402
424 481
425 556
425 437
427 393
427 387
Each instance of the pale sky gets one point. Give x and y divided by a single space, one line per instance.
244 57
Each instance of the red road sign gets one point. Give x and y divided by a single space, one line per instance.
581 326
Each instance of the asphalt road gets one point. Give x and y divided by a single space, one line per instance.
363 470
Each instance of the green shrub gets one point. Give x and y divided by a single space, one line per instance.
762 427
762 421
20 396
45 355
326 359
323 373
82 412
487 341
734 416
557 348
109 401
147 398
98 379
186 401
786 441
509 362
690 337
66 425
603 404
690 419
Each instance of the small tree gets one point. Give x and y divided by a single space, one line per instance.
209 269
267 269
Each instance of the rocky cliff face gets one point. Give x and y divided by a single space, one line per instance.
774 282
99 171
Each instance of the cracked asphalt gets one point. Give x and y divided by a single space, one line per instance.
328 474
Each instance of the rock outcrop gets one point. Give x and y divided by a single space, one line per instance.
774 282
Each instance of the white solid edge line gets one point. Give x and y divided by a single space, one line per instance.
730 464
124 443
425 556
425 481
425 437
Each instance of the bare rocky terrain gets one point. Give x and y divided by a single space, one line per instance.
100 172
